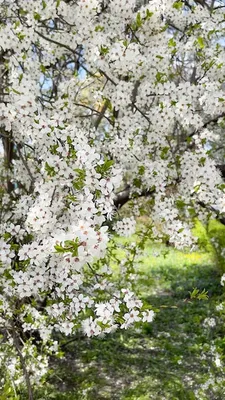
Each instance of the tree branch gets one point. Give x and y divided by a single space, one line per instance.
124 196
211 208
212 120
23 364
26 166
102 114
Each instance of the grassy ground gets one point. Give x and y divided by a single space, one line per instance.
170 358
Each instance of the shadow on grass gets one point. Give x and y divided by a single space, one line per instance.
168 359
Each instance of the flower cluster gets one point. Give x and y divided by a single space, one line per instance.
126 227
101 103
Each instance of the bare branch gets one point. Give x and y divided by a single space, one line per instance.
211 120
26 166
125 196
102 114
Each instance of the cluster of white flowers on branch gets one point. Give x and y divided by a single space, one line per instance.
94 94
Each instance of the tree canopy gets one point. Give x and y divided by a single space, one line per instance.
102 103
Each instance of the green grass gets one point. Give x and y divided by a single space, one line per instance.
213 231
169 359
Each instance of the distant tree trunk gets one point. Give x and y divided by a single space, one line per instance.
7 140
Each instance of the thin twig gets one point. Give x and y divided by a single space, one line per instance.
102 114
26 166
23 364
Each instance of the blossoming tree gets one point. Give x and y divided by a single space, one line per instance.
102 102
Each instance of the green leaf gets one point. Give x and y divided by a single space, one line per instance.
137 182
197 295
141 170
20 77
50 170
160 77
53 148
178 5
149 14
196 188
104 50
180 204
42 68
21 35
29 319
164 153
37 16
23 12
102 325
172 43
138 20
99 28
202 161
17 24
200 42
79 182
7 236
59 248
98 193
103 169
16 91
